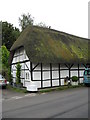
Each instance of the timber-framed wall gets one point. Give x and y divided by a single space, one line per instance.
70 68
44 74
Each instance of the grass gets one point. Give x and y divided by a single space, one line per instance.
22 90
59 88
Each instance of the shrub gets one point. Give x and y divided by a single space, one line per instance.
10 76
74 78
18 73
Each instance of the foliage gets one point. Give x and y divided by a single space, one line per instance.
16 89
4 66
10 34
25 20
0 33
9 75
4 56
41 24
4 72
18 73
59 88
74 78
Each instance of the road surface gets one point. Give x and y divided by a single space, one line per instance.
71 103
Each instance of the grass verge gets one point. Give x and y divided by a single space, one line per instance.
59 88
22 90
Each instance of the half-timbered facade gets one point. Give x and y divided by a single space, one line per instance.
48 56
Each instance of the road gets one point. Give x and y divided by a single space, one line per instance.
71 103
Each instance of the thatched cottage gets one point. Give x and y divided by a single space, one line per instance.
47 56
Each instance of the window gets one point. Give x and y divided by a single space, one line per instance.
87 72
27 75
12 66
15 59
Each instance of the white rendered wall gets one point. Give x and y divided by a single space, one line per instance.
19 56
55 75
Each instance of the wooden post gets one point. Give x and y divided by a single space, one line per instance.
69 68
51 73
41 76
69 73
24 74
78 73
59 76
31 71
85 65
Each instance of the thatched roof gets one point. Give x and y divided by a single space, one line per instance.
50 46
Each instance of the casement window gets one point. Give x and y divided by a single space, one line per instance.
27 76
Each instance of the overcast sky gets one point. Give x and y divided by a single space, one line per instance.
70 16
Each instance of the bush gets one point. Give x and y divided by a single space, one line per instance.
4 72
9 76
18 74
74 78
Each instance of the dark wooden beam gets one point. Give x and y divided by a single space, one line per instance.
41 76
69 73
51 73
17 55
35 66
24 74
31 71
27 66
69 65
59 75
66 65
20 62
78 73
22 70
85 65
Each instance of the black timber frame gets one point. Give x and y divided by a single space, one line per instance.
59 69
59 75
41 76
51 73
68 67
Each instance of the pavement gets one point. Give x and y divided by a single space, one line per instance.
12 95
71 103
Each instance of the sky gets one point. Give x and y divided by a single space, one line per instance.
70 16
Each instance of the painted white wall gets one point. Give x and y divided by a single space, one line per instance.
55 75
19 56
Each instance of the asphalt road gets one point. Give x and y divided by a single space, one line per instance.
8 94
71 103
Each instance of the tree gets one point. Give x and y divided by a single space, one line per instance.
25 20
4 66
18 73
9 75
0 33
4 56
41 24
10 34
